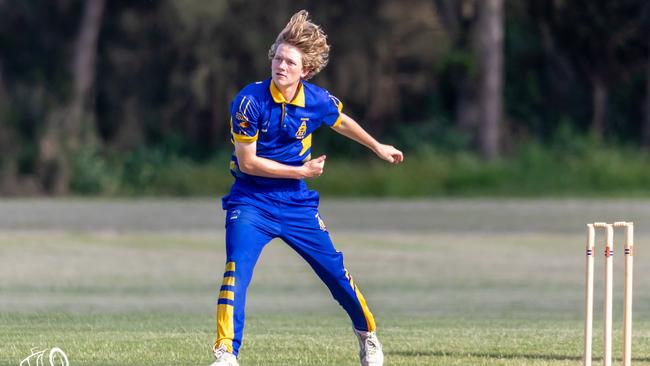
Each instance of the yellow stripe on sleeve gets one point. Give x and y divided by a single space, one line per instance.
228 281
339 106
244 138
338 121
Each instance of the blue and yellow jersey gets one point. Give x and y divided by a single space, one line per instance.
282 129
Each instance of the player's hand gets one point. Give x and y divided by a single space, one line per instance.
389 153
314 167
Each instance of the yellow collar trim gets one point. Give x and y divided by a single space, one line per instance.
298 100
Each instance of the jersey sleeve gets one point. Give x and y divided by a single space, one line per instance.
333 108
244 118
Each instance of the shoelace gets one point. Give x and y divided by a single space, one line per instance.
219 353
371 346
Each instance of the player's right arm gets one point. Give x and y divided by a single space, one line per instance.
252 164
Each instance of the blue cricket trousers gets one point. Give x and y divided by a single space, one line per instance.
255 218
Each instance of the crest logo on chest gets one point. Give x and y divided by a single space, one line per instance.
302 130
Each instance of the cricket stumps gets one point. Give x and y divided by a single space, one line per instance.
609 274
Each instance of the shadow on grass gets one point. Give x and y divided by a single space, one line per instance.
494 355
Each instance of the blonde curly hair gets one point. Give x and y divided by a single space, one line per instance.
309 38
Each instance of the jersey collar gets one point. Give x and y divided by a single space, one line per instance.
298 100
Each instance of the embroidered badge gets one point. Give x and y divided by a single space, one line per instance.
241 117
302 130
234 215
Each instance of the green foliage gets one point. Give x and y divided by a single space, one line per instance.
576 165
188 58
156 172
148 172
92 174
182 178
587 168
437 132
459 61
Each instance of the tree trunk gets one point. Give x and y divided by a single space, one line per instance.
383 99
646 121
448 13
490 55
83 71
53 169
599 106
459 20
467 110
64 131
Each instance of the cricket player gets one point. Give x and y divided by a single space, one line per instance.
272 123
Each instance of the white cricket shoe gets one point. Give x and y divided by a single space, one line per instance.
370 353
223 357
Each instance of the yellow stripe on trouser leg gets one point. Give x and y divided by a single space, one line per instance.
370 319
230 266
227 295
225 318
225 326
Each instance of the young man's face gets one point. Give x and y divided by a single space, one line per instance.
286 66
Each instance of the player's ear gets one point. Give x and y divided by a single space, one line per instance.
304 73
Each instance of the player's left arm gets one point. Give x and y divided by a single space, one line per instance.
349 128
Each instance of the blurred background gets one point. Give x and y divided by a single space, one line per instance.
494 97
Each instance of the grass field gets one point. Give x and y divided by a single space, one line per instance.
461 282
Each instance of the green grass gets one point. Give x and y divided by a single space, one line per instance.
173 339
462 295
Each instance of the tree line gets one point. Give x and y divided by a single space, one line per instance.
114 77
